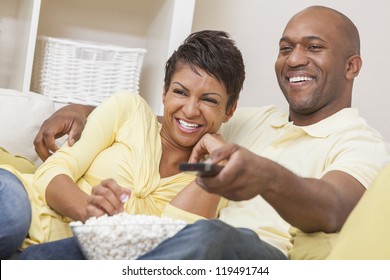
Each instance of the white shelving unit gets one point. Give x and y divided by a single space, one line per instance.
18 30
157 25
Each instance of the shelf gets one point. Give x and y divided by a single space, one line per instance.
18 17
157 25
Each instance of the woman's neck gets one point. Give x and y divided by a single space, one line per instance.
172 155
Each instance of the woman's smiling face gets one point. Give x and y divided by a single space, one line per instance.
194 104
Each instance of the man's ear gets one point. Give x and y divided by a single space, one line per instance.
354 64
230 112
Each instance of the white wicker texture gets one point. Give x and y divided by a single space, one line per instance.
81 72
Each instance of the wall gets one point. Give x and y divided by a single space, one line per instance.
257 26
7 22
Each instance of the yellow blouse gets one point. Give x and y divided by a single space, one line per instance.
121 141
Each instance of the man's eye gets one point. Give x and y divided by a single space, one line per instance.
284 48
315 47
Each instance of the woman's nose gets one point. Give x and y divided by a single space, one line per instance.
191 108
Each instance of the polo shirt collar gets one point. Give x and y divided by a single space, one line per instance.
324 128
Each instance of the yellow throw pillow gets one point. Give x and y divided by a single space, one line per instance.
366 233
22 164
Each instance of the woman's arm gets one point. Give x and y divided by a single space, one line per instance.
73 162
193 198
66 198
197 201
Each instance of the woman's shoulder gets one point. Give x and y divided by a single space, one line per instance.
127 96
128 101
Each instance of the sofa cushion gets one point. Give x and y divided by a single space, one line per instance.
21 115
310 246
20 163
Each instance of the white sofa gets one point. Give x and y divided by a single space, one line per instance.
21 115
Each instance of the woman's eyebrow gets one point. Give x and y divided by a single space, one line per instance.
213 93
207 93
181 85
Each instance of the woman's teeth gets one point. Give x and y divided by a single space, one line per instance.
187 125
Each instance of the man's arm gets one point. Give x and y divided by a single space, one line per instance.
307 203
70 120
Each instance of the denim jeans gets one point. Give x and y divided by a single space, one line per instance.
15 214
214 240
203 240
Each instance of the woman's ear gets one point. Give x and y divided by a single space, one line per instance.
163 95
354 64
230 112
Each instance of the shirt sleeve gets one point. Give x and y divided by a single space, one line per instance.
98 134
361 155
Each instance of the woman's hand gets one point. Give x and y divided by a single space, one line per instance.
205 146
106 198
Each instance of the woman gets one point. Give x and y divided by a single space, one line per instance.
127 158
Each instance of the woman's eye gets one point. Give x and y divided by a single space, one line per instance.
210 100
179 92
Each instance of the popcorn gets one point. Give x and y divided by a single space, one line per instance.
123 236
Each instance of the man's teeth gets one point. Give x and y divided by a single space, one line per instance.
299 79
188 125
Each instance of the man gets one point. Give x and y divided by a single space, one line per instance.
307 169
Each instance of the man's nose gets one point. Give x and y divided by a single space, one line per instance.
297 57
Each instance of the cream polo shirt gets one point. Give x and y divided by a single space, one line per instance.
343 142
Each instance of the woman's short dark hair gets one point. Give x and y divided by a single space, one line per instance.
214 52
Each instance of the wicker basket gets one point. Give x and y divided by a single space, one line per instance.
82 72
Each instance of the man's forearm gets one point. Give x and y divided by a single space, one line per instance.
314 204
85 109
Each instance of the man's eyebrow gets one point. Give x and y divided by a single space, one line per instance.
306 38
314 37
283 39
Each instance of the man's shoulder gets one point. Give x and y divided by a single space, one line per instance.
250 122
351 124
257 113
